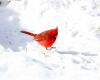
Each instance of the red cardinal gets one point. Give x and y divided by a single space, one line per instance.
46 38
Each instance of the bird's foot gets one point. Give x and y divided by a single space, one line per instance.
50 48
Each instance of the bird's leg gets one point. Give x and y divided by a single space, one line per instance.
46 48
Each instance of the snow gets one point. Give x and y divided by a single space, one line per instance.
76 56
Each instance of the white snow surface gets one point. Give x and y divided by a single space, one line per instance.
77 53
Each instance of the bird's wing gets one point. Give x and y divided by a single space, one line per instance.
42 37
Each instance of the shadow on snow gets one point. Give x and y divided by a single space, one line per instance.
10 36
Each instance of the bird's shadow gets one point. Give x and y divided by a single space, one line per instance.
85 60
10 36
76 53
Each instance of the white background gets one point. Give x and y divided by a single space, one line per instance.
77 53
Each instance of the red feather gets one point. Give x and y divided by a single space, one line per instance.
46 38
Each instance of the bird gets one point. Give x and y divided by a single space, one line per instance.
45 38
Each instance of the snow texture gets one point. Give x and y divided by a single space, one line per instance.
77 52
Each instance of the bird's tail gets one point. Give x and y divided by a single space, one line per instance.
28 33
